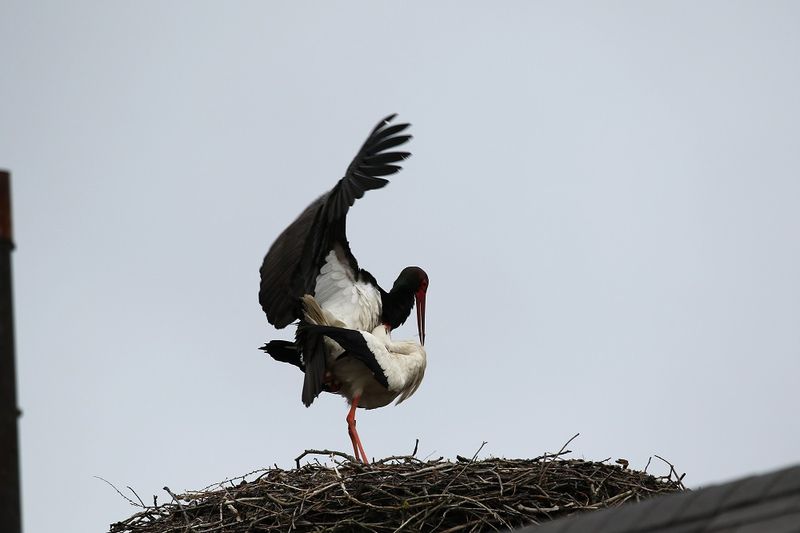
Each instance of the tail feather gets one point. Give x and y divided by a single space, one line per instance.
315 355
312 346
285 352
313 312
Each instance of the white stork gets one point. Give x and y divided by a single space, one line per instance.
312 256
368 368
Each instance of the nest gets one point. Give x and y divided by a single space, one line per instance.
401 494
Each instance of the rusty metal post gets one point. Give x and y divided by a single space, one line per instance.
10 517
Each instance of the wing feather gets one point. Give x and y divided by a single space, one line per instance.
388 157
292 263
353 343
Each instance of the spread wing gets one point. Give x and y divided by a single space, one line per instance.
294 260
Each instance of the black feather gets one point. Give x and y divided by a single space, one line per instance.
382 123
352 342
388 157
383 170
381 135
312 346
285 352
390 142
292 263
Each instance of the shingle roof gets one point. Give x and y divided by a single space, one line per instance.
768 503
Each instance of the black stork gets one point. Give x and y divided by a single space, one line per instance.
312 256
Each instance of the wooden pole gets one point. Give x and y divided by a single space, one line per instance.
10 520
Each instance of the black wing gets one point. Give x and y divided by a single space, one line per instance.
293 261
350 340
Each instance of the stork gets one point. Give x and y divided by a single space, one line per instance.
368 368
312 256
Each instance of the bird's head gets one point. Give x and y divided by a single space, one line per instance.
414 280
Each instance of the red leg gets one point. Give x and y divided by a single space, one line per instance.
351 430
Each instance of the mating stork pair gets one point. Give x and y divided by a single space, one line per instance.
343 342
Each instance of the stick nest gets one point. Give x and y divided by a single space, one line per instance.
401 494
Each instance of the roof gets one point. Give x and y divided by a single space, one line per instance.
765 503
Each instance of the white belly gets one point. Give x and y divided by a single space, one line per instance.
355 379
403 364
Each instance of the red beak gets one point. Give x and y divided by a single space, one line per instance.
421 316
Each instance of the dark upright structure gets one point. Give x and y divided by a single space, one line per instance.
10 520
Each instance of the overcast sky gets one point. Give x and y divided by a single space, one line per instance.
605 197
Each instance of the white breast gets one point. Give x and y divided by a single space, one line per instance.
355 303
403 362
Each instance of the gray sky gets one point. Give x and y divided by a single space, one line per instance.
605 197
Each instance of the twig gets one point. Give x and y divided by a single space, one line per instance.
118 492
544 469
324 452
180 506
678 477
465 466
137 496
